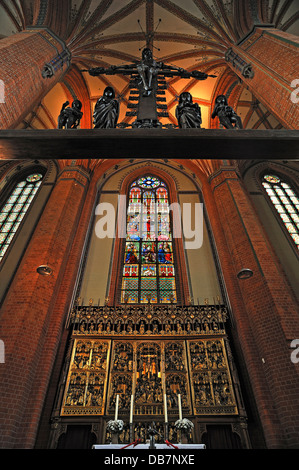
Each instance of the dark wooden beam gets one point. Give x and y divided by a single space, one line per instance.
149 143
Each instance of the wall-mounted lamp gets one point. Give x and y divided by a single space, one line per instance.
245 273
44 270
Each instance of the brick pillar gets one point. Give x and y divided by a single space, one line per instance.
30 326
273 55
23 58
265 313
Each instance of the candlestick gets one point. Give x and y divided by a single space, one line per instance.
165 408
116 407
131 411
180 407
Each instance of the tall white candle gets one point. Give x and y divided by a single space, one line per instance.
165 408
116 407
180 407
131 411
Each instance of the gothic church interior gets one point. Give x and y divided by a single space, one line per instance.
106 312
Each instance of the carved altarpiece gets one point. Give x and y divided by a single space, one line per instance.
148 352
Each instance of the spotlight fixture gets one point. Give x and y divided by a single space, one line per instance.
44 270
245 273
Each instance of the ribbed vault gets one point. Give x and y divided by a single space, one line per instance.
193 34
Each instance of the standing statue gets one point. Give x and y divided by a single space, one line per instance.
69 118
106 111
227 116
188 113
146 74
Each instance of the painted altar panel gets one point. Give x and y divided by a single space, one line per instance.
211 384
197 369
85 391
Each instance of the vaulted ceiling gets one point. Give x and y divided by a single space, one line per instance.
193 34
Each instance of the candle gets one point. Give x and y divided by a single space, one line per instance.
116 407
180 407
131 411
165 408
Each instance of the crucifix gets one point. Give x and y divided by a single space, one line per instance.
148 78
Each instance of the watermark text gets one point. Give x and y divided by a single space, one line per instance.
141 222
295 353
2 352
295 93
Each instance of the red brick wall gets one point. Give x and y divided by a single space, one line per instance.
265 313
31 322
23 56
273 55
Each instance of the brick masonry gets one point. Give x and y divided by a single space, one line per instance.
265 312
273 55
31 321
23 57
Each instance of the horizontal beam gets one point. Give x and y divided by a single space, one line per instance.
149 143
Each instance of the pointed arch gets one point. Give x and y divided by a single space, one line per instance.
182 284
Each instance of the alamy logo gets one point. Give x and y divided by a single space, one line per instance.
2 92
2 352
187 222
295 353
295 93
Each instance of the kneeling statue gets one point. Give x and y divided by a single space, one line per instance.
69 118
227 116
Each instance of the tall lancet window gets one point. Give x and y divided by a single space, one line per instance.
148 265
15 208
286 203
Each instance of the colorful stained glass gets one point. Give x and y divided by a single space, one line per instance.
131 270
15 208
148 259
286 204
132 253
148 296
148 270
148 182
131 284
271 179
148 283
34 178
166 270
130 297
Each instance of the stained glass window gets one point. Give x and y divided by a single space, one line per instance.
148 269
286 202
15 208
